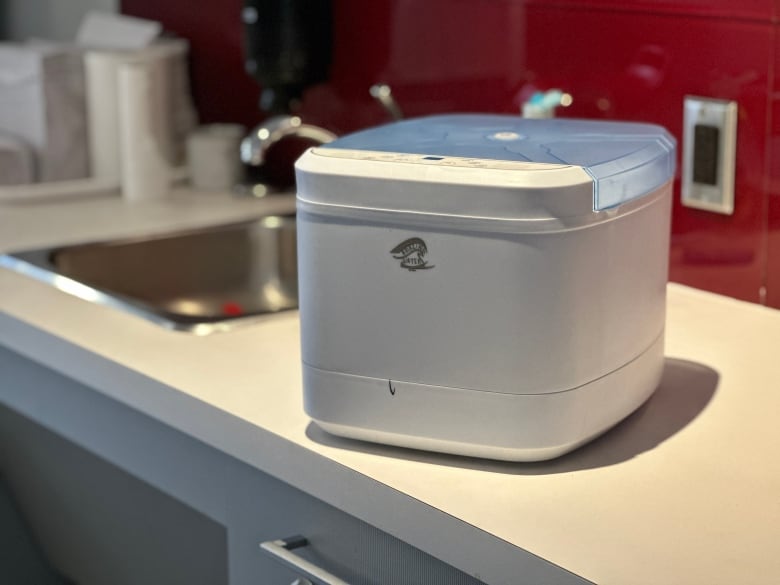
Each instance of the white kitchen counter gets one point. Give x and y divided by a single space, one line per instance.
687 490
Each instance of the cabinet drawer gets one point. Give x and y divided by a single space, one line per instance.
262 508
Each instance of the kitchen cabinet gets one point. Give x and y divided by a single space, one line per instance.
261 508
95 522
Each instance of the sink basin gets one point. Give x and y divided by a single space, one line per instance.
200 281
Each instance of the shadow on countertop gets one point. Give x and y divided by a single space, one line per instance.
685 390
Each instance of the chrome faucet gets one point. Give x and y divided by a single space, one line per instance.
255 145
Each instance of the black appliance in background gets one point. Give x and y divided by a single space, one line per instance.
288 47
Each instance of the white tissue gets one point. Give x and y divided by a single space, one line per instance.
104 30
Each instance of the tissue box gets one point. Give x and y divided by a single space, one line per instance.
42 103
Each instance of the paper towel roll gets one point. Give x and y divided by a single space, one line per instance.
168 57
102 69
145 171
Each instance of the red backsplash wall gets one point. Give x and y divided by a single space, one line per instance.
631 60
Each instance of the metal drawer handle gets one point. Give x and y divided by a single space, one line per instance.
280 550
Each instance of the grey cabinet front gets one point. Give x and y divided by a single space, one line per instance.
262 508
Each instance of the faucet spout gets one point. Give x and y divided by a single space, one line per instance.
255 146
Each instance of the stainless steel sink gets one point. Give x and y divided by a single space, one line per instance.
201 281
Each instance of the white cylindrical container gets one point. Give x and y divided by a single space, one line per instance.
145 171
213 157
483 285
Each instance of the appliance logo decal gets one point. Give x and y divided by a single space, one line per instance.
412 253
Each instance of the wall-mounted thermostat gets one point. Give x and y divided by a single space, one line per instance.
709 154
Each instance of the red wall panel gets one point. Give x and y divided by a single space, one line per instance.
619 65
221 88
632 60
773 191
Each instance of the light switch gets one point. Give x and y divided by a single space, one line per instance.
709 154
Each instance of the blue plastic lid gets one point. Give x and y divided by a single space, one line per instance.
626 160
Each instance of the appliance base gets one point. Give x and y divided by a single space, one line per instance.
509 427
